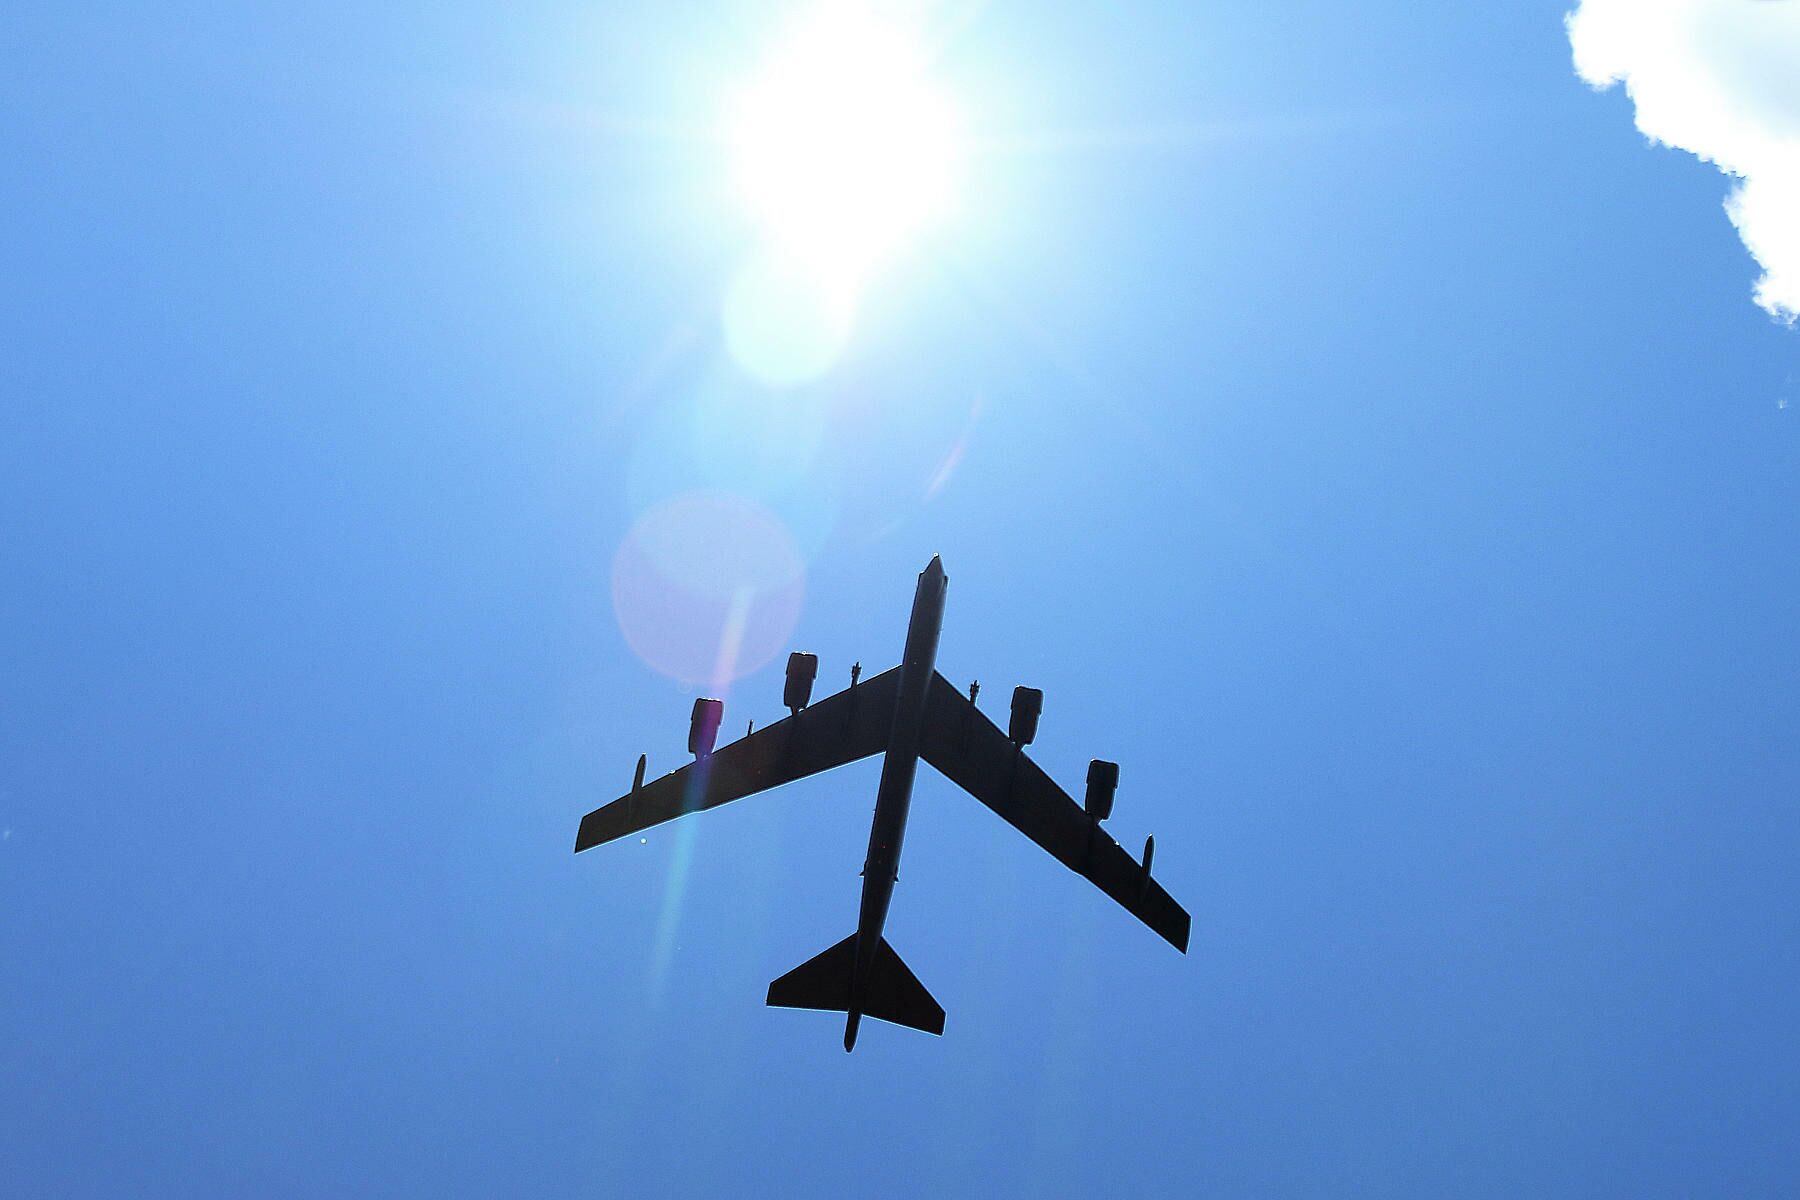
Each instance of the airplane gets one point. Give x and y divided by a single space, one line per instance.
906 713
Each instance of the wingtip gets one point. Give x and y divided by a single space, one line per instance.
587 834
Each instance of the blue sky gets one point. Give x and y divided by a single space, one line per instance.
1342 413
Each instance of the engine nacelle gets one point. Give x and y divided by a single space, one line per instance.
703 726
1102 782
802 669
1027 705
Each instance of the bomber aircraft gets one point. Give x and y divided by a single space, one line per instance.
907 713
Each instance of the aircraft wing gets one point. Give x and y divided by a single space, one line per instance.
975 755
839 729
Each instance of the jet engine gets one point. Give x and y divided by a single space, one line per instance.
1102 782
703 726
1027 704
802 669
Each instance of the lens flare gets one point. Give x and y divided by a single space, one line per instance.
707 587
785 323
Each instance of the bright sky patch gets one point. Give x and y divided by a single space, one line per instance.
842 147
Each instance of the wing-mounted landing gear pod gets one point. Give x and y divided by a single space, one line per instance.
1102 782
1027 705
802 669
703 727
637 786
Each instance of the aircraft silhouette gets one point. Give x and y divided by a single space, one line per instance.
907 713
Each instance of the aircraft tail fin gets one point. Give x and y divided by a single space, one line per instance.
891 993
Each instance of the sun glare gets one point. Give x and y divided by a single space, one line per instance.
842 148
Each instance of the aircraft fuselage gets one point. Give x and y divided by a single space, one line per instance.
899 765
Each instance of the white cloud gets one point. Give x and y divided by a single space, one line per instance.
1720 79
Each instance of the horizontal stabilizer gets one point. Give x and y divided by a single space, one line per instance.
891 993
895 994
821 982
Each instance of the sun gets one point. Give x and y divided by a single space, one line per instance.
843 148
